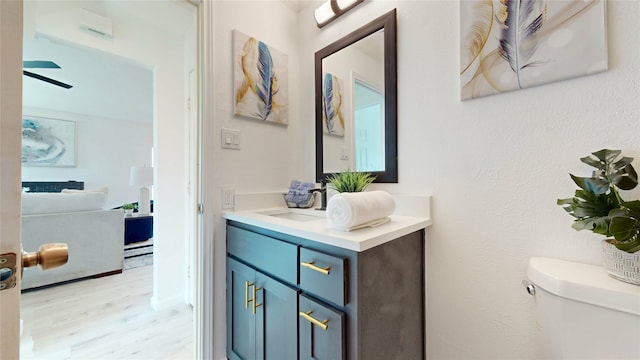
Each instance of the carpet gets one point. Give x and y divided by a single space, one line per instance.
138 255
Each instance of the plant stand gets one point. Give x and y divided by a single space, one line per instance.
621 265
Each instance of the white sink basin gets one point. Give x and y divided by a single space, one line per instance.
295 214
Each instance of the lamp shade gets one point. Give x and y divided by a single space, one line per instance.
324 13
331 9
141 176
344 4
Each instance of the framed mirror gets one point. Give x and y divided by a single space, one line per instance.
356 102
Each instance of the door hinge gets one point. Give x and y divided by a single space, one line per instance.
200 209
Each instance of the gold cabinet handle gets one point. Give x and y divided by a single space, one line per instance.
255 299
246 294
311 266
321 324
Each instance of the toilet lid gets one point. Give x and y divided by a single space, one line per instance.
583 282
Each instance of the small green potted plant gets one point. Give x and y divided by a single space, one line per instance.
598 206
128 209
350 181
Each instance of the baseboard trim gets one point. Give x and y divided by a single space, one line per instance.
108 273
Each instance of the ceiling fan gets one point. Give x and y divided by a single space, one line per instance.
43 64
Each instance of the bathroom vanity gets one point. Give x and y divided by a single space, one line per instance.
299 290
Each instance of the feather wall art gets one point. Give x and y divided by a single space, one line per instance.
509 45
260 80
332 119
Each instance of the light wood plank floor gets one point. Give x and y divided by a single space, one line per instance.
105 318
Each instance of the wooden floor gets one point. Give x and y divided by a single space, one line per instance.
105 318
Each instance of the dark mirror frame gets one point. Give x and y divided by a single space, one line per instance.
388 23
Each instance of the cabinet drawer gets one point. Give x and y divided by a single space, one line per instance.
316 341
323 275
267 254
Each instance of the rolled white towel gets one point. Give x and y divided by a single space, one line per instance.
350 211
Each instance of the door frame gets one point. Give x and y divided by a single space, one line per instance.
205 308
11 37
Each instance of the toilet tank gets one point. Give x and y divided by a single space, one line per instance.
583 313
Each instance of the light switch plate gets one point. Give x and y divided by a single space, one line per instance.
344 154
230 139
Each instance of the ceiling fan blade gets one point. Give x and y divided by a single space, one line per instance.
40 64
46 79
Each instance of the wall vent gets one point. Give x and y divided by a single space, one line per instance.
96 24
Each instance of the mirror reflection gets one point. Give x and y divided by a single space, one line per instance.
353 106
368 124
356 102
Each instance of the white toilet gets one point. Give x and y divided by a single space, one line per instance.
583 313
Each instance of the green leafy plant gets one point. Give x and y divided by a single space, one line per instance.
625 226
350 181
597 205
129 206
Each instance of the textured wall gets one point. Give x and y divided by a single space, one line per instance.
494 166
270 154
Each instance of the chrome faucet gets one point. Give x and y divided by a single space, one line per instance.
323 194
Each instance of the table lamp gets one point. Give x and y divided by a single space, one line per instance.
142 176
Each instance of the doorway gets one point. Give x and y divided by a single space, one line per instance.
368 108
172 205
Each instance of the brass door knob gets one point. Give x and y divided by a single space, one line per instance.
48 256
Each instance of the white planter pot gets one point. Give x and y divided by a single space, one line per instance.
620 264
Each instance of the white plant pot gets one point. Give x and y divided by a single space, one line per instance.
620 264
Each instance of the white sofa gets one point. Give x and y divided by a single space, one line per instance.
95 236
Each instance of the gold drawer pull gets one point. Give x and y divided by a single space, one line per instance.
255 299
311 266
322 324
246 294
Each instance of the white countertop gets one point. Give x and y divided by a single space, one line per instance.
318 230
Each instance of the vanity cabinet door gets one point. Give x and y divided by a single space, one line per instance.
241 323
276 320
262 316
321 331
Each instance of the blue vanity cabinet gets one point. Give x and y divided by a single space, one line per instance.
261 315
324 301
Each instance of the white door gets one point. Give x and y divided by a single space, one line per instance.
10 167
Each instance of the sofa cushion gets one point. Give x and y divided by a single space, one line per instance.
50 203
105 190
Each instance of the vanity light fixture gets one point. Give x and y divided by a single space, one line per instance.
331 9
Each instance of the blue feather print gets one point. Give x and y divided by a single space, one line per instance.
265 84
329 114
520 21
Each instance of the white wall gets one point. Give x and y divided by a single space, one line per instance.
494 166
106 149
162 51
270 154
